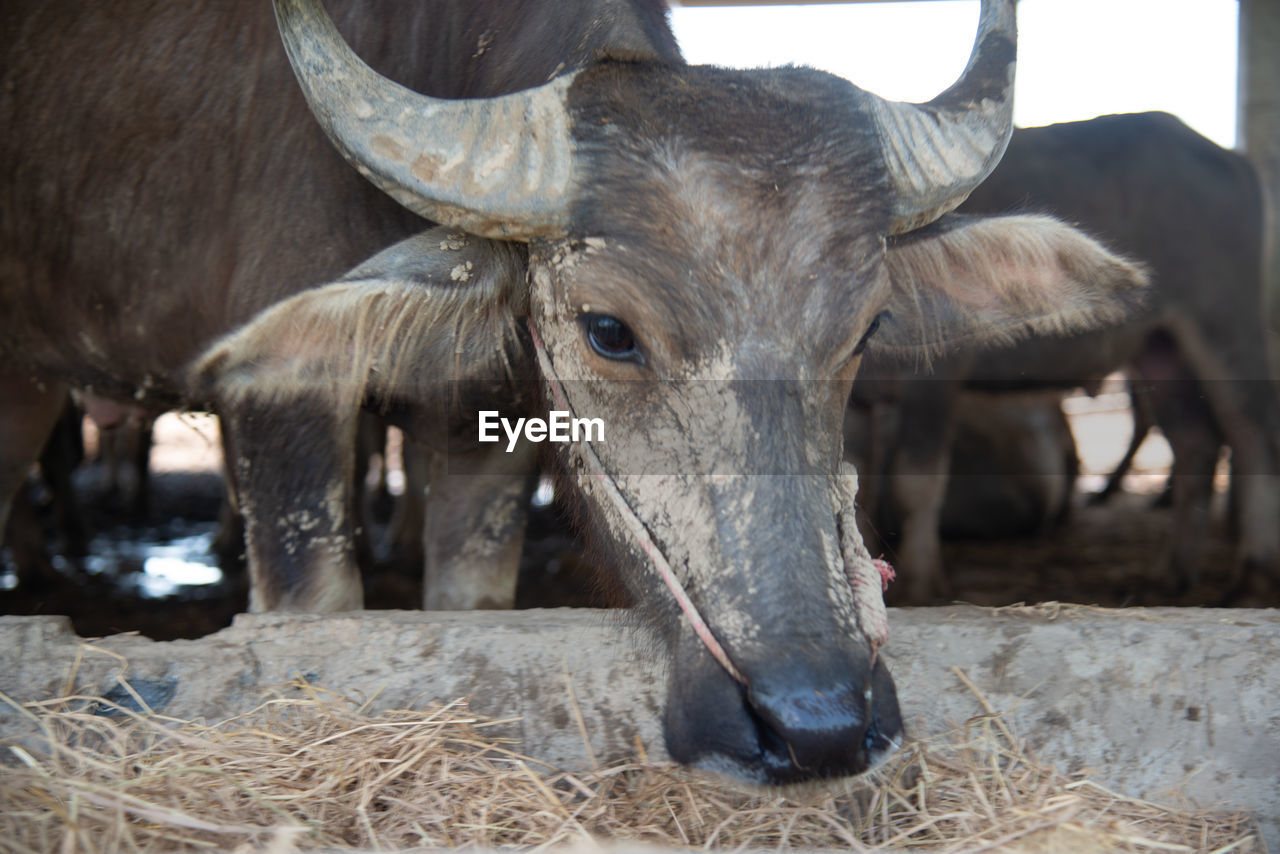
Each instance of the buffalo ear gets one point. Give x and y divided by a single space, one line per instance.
407 326
969 280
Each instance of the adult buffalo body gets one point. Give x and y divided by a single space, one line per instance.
696 255
1150 187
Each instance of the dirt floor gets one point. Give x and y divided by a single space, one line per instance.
1110 555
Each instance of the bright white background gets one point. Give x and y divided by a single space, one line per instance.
1076 58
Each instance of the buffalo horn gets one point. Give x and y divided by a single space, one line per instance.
496 167
939 151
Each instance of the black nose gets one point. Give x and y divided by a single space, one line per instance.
809 728
794 721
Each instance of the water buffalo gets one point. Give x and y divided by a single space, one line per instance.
1152 188
698 256
1011 471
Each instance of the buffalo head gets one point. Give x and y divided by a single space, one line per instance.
707 255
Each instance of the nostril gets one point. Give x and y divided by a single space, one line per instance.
806 733
768 736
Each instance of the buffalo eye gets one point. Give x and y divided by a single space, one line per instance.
866 336
611 338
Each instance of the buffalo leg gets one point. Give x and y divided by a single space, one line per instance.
918 481
29 409
474 528
1187 423
62 453
126 449
1246 407
1255 449
371 440
1142 407
228 543
1178 405
408 515
292 470
870 431
142 437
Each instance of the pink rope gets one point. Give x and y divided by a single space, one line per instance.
656 558
870 604
887 574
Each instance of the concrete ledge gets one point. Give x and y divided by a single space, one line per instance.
1156 701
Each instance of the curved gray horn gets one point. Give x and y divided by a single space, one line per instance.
938 152
496 167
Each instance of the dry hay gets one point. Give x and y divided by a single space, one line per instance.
317 771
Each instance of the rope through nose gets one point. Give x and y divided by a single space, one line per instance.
868 577
637 528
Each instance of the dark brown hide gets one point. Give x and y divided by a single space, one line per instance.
1149 187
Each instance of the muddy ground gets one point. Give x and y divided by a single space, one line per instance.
1109 555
